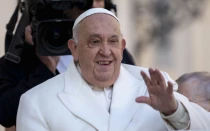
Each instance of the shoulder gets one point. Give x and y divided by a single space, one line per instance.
135 72
46 89
133 68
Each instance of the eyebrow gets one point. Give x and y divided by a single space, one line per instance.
93 35
113 36
97 35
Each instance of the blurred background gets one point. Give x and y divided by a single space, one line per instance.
171 35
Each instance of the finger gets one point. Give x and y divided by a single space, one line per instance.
160 78
170 87
143 99
56 58
28 36
153 77
146 79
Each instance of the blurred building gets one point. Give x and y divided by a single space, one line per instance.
172 35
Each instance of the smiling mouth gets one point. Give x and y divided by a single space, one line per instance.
104 62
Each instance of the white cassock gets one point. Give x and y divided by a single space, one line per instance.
67 103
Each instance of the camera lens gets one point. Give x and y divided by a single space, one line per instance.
55 36
52 37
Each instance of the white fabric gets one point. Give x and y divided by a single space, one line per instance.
104 97
179 119
91 12
64 63
67 103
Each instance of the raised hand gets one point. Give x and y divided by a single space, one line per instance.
161 95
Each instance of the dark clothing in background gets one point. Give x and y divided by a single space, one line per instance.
16 79
128 58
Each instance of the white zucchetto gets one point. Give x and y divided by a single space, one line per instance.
91 12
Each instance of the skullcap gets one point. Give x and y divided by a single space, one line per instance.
91 12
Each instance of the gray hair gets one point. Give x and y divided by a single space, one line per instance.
75 33
202 78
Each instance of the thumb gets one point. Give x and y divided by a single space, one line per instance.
143 99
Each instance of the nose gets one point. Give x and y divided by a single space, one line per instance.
98 4
105 50
94 5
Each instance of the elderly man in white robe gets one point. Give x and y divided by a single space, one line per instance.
97 92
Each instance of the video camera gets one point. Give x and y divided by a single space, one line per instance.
51 26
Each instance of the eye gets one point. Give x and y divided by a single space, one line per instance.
94 43
113 42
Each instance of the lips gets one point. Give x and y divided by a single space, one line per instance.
104 62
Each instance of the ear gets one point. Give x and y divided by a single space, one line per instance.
73 48
123 45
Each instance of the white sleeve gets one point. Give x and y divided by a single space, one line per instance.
198 117
29 117
179 119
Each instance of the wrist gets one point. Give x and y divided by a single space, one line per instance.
172 110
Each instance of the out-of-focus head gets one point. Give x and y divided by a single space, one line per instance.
196 87
98 4
97 46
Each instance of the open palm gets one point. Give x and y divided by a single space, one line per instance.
161 95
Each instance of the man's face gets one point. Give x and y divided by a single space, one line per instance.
195 93
98 4
99 49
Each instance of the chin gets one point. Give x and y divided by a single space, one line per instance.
106 77
105 81
104 84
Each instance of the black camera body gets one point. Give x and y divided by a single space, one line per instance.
51 27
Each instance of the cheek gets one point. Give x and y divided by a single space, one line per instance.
118 54
87 55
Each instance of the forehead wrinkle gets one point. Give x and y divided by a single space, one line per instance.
93 35
94 25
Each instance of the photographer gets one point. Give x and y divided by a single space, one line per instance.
33 68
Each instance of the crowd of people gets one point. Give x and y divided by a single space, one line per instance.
98 87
